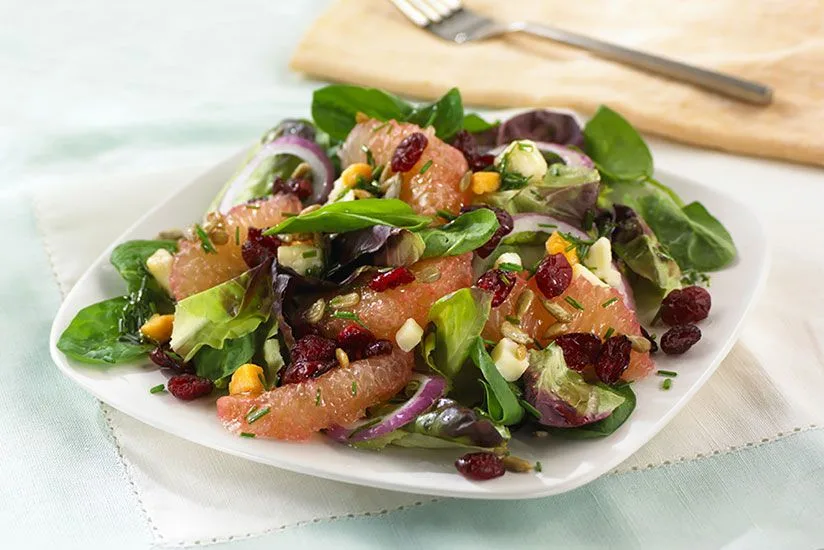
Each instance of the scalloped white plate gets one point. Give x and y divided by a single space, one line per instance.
566 464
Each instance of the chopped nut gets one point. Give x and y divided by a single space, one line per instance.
515 464
556 310
345 300
343 359
429 274
514 333
556 330
639 343
316 311
524 302
302 170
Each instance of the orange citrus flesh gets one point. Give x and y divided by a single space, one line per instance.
195 270
437 188
340 396
383 313
600 313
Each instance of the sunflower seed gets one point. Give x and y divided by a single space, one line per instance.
345 300
556 330
466 179
316 311
302 170
429 274
639 343
556 310
514 333
515 464
343 359
524 303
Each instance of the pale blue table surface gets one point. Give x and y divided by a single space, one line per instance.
94 87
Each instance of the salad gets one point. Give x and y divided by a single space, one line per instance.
390 274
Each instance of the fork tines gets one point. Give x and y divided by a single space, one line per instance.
426 12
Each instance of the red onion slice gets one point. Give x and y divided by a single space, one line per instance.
309 152
431 389
571 157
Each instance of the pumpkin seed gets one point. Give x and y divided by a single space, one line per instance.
514 333
345 300
515 464
556 330
639 343
429 274
343 359
316 311
556 310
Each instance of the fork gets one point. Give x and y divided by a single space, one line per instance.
449 20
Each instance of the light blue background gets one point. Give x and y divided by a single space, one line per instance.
104 88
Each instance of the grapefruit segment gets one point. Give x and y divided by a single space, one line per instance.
603 308
341 396
195 270
427 190
384 312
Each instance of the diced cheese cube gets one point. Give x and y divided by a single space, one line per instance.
578 270
159 265
509 258
303 258
511 359
409 335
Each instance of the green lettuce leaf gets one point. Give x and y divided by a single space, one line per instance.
465 233
616 147
608 425
459 318
94 335
502 403
215 364
225 312
340 217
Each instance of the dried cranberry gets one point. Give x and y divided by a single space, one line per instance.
505 225
304 369
580 349
554 275
688 305
259 247
169 360
480 466
313 348
391 279
301 187
378 347
499 282
409 152
679 339
189 386
614 359
354 339
653 345
466 144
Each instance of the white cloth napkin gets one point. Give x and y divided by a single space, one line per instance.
768 387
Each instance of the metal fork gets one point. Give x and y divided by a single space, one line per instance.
449 20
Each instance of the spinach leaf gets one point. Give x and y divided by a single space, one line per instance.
465 233
129 259
459 318
616 147
501 402
223 313
474 123
215 364
340 217
334 107
604 427
94 335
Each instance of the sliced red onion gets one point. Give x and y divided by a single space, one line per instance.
532 221
309 152
431 389
571 157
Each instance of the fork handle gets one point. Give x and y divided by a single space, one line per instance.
746 90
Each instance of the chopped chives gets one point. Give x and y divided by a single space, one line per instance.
317 398
379 127
488 342
574 303
506 266
288 214
538 466
570 247
609 302
205 242
348 315
448 216
513 320
354 387
370 160
237 235
157 389
550 225
263 379
426 166
668 373
247 434
256 414
667 384
610 332
252 206
310 254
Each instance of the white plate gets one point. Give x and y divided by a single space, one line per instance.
566 464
